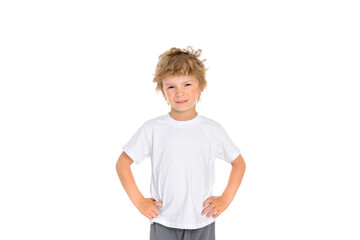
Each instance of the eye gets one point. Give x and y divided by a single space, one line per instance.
169 87
188 84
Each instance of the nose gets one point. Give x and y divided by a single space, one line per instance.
179 93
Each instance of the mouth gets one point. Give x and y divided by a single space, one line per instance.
181 102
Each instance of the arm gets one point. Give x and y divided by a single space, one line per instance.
126 177
236 176
147 206
219 204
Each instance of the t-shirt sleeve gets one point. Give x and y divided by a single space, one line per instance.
138 147
226 149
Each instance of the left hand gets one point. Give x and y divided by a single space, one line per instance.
218 204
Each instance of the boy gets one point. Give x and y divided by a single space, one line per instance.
183 146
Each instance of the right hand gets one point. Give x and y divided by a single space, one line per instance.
148 207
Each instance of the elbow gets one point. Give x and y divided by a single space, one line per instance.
117 165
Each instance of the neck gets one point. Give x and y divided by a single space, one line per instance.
183 116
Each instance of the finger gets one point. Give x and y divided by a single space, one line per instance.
158 203
211 205
156 211
217 214
152 214
211 213
206 210
206 202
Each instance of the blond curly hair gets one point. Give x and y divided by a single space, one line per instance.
177 62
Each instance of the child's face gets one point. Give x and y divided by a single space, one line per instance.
181 88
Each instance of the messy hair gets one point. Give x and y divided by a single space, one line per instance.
178 62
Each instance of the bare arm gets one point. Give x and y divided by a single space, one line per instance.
147 206
236 176
127 179
219 204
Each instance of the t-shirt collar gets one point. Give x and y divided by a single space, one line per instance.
190 122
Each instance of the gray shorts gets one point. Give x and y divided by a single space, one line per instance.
161 232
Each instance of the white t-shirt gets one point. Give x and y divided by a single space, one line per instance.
183 165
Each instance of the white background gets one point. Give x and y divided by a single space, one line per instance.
76 83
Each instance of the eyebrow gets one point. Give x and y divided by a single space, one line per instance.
173 83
